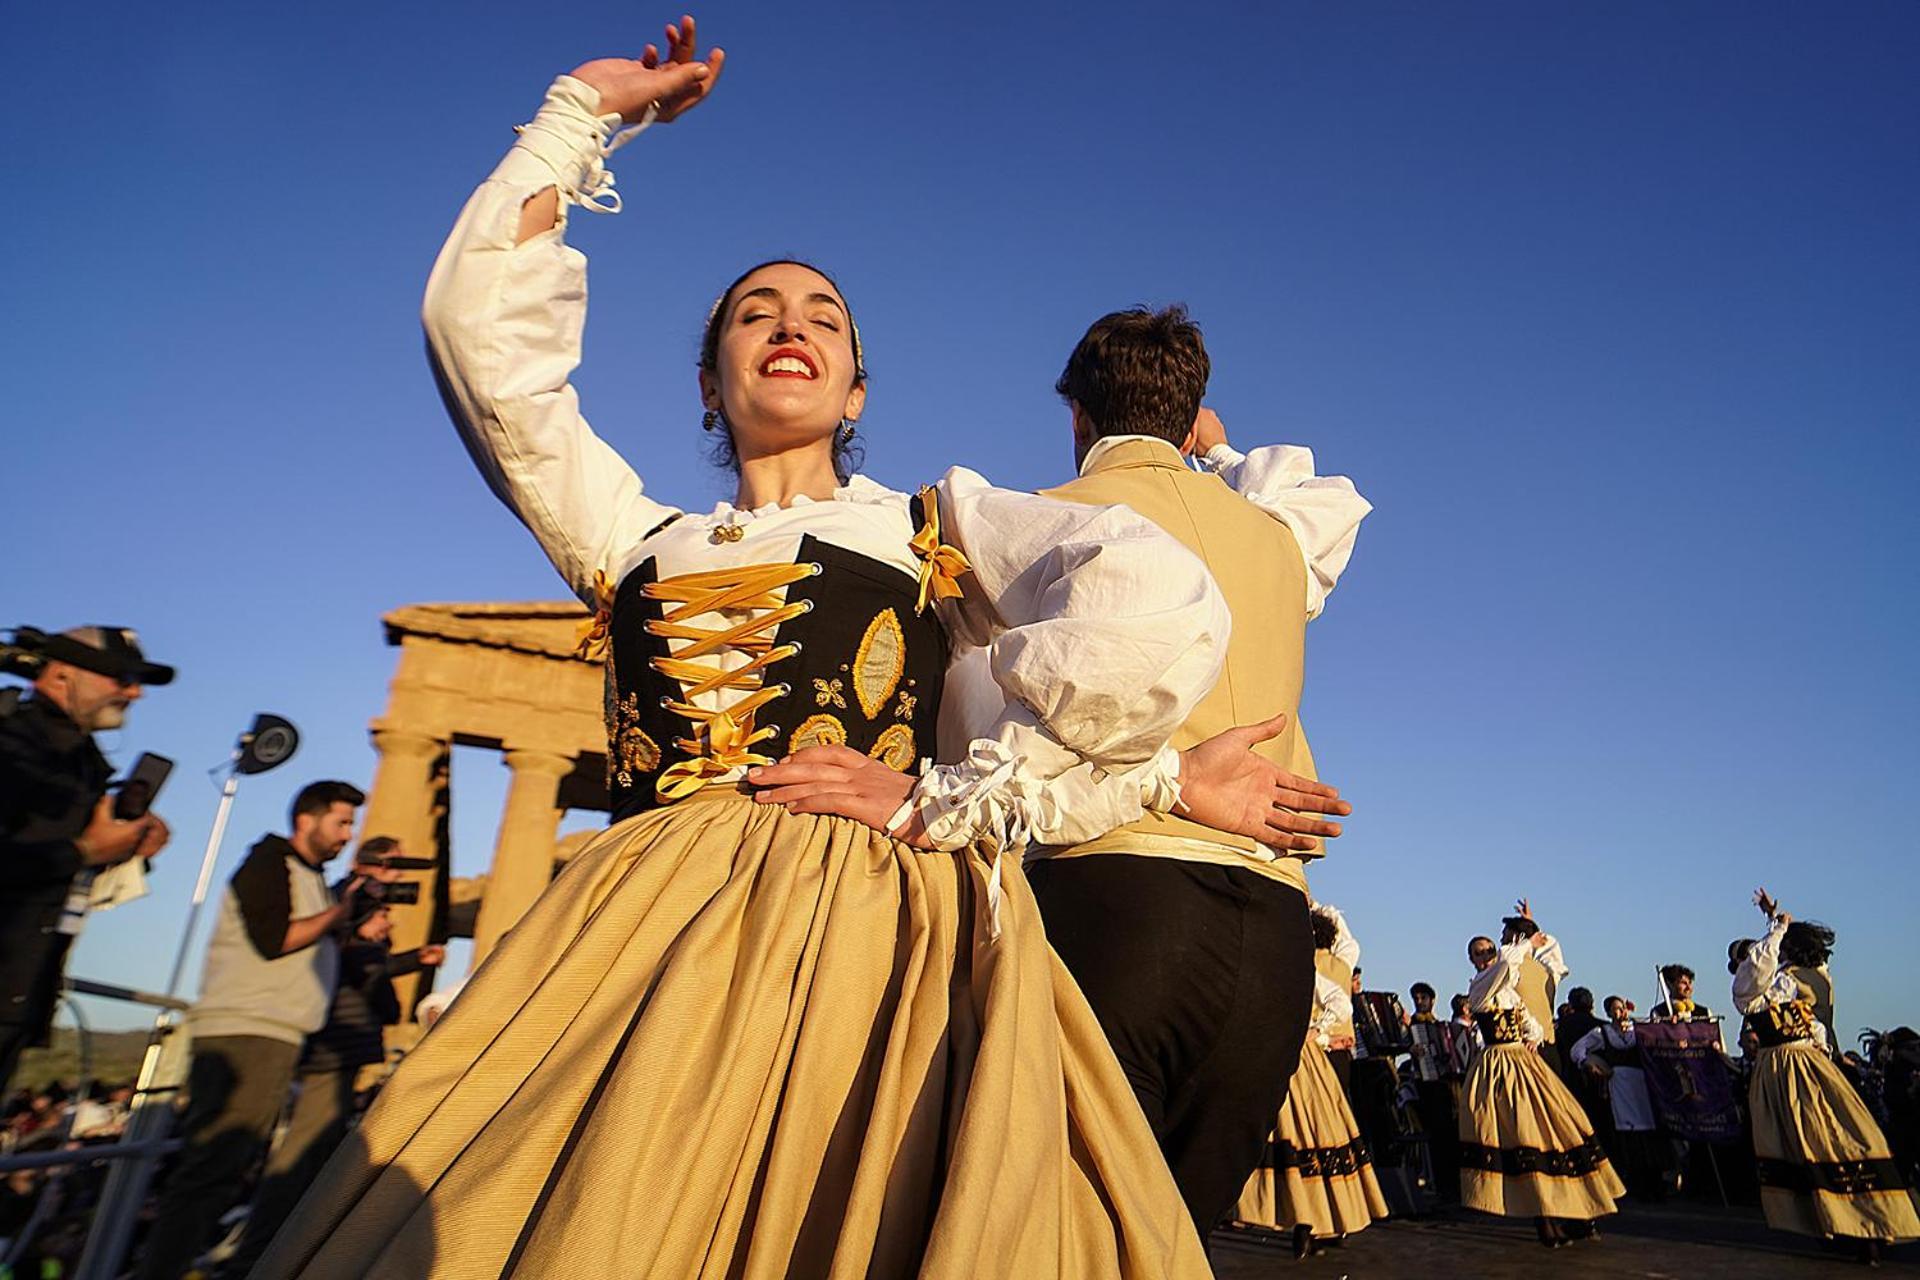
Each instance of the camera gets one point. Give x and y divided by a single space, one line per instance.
385 893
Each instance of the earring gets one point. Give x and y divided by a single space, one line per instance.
709 420
846 432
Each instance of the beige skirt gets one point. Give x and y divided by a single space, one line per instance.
732 1041
1317 1171
1526 1148
1825 1167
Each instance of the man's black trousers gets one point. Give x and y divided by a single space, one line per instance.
1202 978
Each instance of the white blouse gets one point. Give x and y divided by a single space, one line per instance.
1760 981
1102 630
1332 1007
1497 986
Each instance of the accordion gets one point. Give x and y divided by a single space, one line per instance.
1381 1024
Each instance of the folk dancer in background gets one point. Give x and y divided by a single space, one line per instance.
1526 1148
1540 978
1825 1167
1610 1055
1806 950
1336 955
1316 1179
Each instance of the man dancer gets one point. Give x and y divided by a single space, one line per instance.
1540 977
1191 944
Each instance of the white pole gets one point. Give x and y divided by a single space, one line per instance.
207 860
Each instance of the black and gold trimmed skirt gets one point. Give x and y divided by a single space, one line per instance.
1825 1166
1316 1171
730 1041
1526 1147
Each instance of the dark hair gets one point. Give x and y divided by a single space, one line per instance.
1473 943
1139 373
1736 952
847 454
1324 931
1581 998
1674 972
1457 1005
1517 927
1604 1004
1807 943
376 847
318 797
1419 989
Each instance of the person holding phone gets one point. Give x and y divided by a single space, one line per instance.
57 819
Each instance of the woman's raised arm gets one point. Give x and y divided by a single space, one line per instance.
505 308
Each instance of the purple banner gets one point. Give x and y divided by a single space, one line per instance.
1689 1080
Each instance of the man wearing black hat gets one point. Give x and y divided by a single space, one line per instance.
56 819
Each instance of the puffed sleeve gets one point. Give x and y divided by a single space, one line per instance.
1346 947
1322 512
1552 958
503 324
1102 633
1754 978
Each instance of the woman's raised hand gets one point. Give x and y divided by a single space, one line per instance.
676 83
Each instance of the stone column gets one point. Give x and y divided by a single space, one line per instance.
523 852
400 805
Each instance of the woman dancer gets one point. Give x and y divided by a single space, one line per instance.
1317 1178
735 1039
1825 1167
1526 1148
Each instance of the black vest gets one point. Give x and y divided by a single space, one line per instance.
868 674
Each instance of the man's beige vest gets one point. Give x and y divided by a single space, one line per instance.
1537 990
1258 566
1340 973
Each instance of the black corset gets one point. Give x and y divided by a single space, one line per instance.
1779 1024
867 674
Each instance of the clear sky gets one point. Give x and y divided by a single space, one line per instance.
1613 311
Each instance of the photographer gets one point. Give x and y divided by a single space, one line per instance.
268 984
364 1003
57 825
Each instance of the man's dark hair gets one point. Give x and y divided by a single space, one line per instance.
1457 1005
1672 973
1581 998
1139 373
1419 989
318 797
1807 943
1514 928
1324 931
376 847
1736 952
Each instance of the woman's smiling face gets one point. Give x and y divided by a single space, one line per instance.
784 369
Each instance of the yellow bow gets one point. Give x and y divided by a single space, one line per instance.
728 741
595 632
941 566
1681 1008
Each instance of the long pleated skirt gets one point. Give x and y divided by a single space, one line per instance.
1317 1171
732 1041
1825 1167
1526 1147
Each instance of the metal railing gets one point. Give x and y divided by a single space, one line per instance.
163 1069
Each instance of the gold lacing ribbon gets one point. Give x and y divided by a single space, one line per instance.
595 631
941 566
729 735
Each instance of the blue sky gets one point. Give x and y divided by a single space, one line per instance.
1612 310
